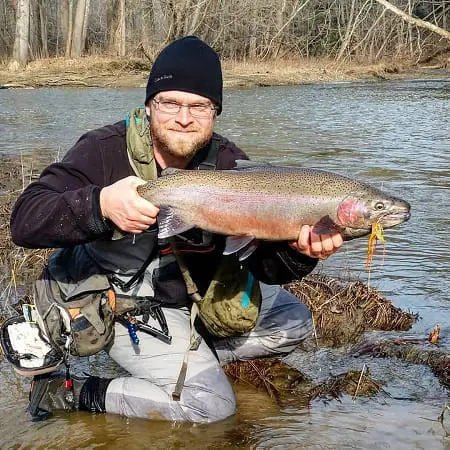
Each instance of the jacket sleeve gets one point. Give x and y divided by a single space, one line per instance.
272 262
62 208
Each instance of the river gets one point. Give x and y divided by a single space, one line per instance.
395 135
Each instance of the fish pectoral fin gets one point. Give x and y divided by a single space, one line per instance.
326 226
244 246
170 224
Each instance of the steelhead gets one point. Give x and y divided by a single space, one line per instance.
269 202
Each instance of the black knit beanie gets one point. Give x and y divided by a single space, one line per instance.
188 65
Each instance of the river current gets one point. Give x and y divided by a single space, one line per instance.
394 135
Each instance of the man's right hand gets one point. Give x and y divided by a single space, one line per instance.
121 204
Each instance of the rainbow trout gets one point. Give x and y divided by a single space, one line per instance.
269 203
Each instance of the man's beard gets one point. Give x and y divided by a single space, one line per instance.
176 147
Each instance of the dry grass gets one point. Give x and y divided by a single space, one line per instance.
85 64
133 72
294 71
343 310
18 266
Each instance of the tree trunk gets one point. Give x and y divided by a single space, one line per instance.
412 20
160 25
77 33
44 32
85 23
348 32
21 41
194 19
120 31
69 28
111 24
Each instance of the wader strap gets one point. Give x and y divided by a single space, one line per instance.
194 343
195 338
191 287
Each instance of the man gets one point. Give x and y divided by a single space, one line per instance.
79 202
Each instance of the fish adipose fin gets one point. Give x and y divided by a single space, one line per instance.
169 224
244 246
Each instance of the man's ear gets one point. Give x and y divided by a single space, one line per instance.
147 109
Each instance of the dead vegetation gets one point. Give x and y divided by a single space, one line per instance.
343 310
102 71
285 384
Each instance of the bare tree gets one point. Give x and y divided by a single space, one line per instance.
80 22
120 30
160 22
412 20
69 27
43 21
21 42
362 30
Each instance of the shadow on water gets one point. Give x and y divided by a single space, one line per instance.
393 135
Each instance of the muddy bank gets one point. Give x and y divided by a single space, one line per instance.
107 72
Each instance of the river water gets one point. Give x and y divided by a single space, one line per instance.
395 135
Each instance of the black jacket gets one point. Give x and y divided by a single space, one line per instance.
62 208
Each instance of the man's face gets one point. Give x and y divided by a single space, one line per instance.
179 132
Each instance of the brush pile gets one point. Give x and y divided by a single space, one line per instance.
285 384
343 310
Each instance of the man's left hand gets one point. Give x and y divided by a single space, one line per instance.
317 245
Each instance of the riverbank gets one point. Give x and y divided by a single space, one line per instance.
108 72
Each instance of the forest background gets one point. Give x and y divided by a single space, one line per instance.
314 39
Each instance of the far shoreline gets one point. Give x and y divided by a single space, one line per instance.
107 72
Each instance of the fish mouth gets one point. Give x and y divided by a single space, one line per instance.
395 218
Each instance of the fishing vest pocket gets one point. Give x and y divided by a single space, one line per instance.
76 316
232 301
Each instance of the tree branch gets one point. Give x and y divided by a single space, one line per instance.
412 20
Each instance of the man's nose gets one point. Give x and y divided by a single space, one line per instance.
184 116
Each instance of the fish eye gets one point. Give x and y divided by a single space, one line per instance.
379 206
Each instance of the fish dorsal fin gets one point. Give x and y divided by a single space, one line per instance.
245 164
169 224
170 171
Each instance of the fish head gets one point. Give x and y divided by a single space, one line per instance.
364 208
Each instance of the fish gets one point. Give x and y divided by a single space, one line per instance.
253 202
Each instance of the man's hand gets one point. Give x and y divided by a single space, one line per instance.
121 204
316 245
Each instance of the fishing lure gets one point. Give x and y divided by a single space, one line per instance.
375 236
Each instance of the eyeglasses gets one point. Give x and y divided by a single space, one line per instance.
198 110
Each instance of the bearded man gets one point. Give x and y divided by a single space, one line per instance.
78 203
